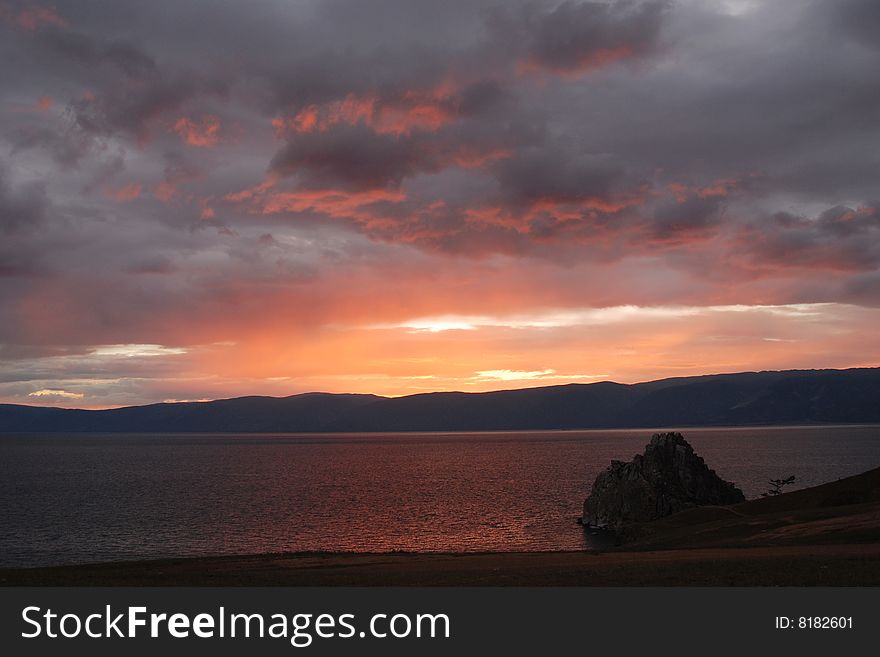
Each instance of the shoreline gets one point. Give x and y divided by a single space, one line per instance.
462 432
791 565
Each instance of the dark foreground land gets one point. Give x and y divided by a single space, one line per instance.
823 536
839 565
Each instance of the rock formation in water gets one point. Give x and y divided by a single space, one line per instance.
667 478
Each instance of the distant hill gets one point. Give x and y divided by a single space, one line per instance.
751 398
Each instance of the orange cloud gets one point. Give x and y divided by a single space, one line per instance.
333 203
252 192
44 104
339 204
123 194
475 158
573 210
165 191
417 110
320 118
679 190
32 18
719 188
426 111
590 62
201 134
492 215
205 210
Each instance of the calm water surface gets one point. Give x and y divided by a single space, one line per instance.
80 498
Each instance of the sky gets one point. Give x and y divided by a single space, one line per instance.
204 199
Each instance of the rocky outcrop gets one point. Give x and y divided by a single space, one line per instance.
667 478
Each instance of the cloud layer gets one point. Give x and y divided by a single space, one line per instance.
280 196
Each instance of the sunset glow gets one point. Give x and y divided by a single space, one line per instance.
432 196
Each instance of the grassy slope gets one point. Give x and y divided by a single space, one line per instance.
844 511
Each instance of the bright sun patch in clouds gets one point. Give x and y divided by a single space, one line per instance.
545 319
591 317
57 393
137 350
535 375
437 324
626 343
510 375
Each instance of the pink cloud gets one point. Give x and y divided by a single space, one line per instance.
32 18
123 194
203 133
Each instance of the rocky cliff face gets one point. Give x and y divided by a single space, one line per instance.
667 478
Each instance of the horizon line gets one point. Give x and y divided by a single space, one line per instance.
440 392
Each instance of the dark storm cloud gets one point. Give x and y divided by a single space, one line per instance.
22 209
842 238
134 93
576 35
552 172
481 97
354 157
863 289
66 145
133 111
122 88
605 139
464 72
861 18
682 219
88 52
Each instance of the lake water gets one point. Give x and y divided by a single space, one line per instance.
84 498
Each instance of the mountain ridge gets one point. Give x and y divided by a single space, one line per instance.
772 397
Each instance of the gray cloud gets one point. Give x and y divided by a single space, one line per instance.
553 172
353 156
694 215
22 209
861 18
841 237
88 53
581 35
